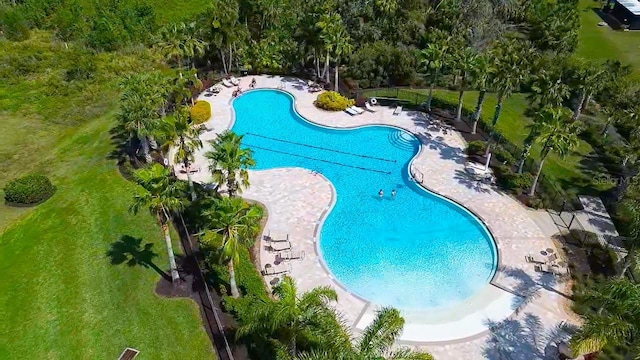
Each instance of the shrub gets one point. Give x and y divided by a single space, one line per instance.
14 25
503 156
332 101
200 112
30 189
515 182
476 147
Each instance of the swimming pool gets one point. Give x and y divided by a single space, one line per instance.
413 251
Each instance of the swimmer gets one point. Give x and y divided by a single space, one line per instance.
393 193
380 193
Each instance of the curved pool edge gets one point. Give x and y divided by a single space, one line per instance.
492 239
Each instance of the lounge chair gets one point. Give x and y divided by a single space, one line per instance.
369 107
276 270
555 270
281 246
398 110
227 83
277 238
535 260
359 110
350 111
291 255
234 81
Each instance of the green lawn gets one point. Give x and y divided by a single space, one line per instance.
601 42
61 297
573 173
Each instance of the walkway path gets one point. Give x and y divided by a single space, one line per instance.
484 326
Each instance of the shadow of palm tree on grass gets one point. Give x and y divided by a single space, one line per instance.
132 252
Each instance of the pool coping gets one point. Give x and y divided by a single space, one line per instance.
323 216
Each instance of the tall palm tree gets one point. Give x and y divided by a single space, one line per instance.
434 57
467 64
548 88
180 133
228 162
162 195
293 317
180 41
617 320
585 80
534 132
632 242
140 108
336 41
511 59
558 135
481 81
233 223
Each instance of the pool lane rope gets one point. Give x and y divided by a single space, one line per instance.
310 158
320 148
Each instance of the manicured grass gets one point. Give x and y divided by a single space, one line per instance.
601 42
573 173
61 297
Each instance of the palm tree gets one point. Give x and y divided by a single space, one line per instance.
233 223
293 317
336 41
534 133
467 64
140 107
481 81
378 338
617 320
557 135
162 195
548 89
178 132
434 58
585 80
179 41
511 62
228 162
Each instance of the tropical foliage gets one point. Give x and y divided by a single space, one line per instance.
228 162
332 101
30 189
200 112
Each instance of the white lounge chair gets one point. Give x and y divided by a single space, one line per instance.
350 111
276 270
277 238
291 255
398 110
234 81
227 83
359 110
369 107
281 246
555 270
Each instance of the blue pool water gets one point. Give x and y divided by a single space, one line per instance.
416 251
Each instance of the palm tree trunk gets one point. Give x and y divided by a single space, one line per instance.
231 184
585 106
459 112
224 62
230 57
625 268
167 239
578 110
523 157
337 88
476 114
535 180
194 197
235 293
144 142
496 114
326 67
317 61
606 126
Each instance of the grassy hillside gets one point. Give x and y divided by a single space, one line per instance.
62 297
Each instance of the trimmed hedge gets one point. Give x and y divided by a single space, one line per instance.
200 112
332 101
476 147
30 189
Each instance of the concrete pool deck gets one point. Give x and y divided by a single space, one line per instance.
484 325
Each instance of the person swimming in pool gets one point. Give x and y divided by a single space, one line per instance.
381 193
393 193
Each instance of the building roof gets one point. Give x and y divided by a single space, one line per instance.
632 5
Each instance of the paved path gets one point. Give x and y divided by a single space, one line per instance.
484 326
